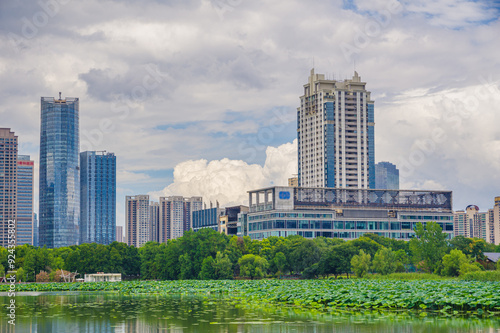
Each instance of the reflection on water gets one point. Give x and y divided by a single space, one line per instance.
113 313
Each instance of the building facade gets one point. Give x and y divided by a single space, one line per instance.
175 216
119 234
344 213
8 185
97 197
335 129
207 218
25 196
59 204
154 216
493 223
386 176
137 221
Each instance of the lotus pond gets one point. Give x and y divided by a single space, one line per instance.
256 306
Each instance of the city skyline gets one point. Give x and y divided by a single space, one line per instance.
228 119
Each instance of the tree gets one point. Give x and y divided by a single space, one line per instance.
2 271
305 255
207 269
279 261
42 277
385 261
252 266
223 267
366 244
20 276
360 263
473 247
452 263
428 246
337 260
186 267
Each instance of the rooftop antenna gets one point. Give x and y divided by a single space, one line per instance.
60 96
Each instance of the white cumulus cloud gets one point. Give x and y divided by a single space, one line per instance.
227 181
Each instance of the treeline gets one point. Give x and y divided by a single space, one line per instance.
207 254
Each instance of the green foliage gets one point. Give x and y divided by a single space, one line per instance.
452 263
304 255
408 276
337 260
481 276
472 247
279 261
360 263
2 271
385 261
207 269
223 267
20 276
428 246
468 267
186 267
252 266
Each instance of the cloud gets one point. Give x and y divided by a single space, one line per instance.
227 181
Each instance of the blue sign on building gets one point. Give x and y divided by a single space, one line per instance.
284 195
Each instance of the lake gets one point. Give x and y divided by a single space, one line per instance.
91 312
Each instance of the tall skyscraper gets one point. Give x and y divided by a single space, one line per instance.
59 212
25 187
119 234
175 216
154 216
386 176
471 222
493 224
137 221
335 125
8 183
97 197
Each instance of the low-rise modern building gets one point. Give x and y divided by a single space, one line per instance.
344 213
207 218
103 277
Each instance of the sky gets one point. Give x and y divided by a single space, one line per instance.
199 97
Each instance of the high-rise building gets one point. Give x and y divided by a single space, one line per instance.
59 212
493 224
335 125
137 221
154 216
119 234
25 187
97 197
8 185
35 230
471 223
175 216
386 176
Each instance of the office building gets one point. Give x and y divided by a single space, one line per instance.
493 224
335 129
25 188
137 222
8 184
207 218
345 213
154 216
229 219
176 215
470 223
59 211
386 176
97 197
35 230
119 234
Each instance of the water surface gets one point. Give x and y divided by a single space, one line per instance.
91 312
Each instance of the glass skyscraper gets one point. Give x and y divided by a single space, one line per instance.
25 220
59 211
386 176
97 197
335 129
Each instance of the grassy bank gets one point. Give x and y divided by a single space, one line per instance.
450 296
